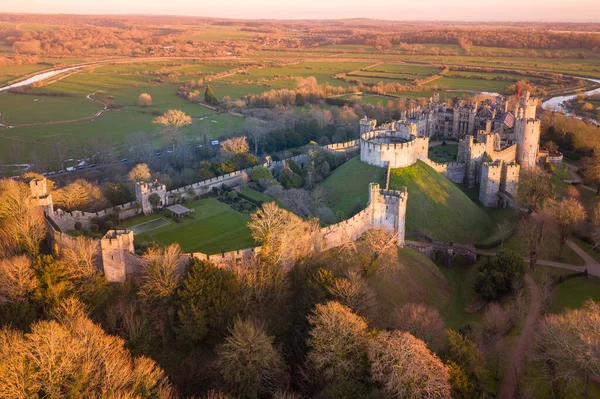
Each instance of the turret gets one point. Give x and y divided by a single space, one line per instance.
39 194
367 125
117 250
527 136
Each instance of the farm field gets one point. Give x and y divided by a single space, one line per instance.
455 83
215 228
12 72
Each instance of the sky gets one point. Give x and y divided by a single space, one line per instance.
400 10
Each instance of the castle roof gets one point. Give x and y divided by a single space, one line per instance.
508 119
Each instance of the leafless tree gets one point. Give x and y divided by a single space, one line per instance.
569 345
74 355
249 362
372 249
160 274
235 145
139 173
533 235
338 342
17 279
424 322
566 213
355 293
172 121
22 224
403 366
80 257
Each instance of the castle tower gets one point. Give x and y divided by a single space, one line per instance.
143 191
116 247
367 125
388 209
527 137
509 182
491 175
39 193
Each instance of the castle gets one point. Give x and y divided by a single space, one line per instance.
492 149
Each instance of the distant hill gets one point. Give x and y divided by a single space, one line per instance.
437 208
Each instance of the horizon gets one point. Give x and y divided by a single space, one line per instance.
427 11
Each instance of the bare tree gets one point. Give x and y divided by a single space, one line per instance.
160 274
503 228
566 213
74 355
568 344
22 224
144 100
355 293
172 121
283 236
80 257
533 235
534 185
249 362
373 248
424 322
338 342
235 145
17 279
404 368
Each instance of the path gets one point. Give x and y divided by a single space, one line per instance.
521 348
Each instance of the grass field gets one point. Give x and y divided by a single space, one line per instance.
443 153
216 228
437 208
255 195
12 72
349 185
451 83
19 109
571 293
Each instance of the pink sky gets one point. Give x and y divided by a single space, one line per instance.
504 10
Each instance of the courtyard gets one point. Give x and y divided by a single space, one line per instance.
215 228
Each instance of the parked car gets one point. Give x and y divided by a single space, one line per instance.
71 169
92 165
214 142
124 160
158 154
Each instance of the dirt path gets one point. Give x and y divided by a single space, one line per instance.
521 348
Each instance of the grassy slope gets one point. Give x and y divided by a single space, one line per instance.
216 227
437 207
349 184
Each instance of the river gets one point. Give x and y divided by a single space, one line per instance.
555 103
39 77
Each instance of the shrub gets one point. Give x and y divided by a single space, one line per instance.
94 228
78 226
108 225
261 172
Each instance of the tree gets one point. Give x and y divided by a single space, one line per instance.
500 274
209 96
235 145
139 173
249 363
22 224
591 168
338 342
422 321
533 235
208 301
404 368
535 185
17 279
160 276
73 357
261 173
283 236
465 354
79 257
566 213
172 121
80 195
354 292
154 200
144 100
568 344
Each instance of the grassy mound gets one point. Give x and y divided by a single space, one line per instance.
349 184
438 208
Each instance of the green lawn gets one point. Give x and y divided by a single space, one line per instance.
216 228
255 195
443 153
349 185
438 208
461 276
20 109
13 72
571 293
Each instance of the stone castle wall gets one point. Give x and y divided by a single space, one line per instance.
491 174
375 149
